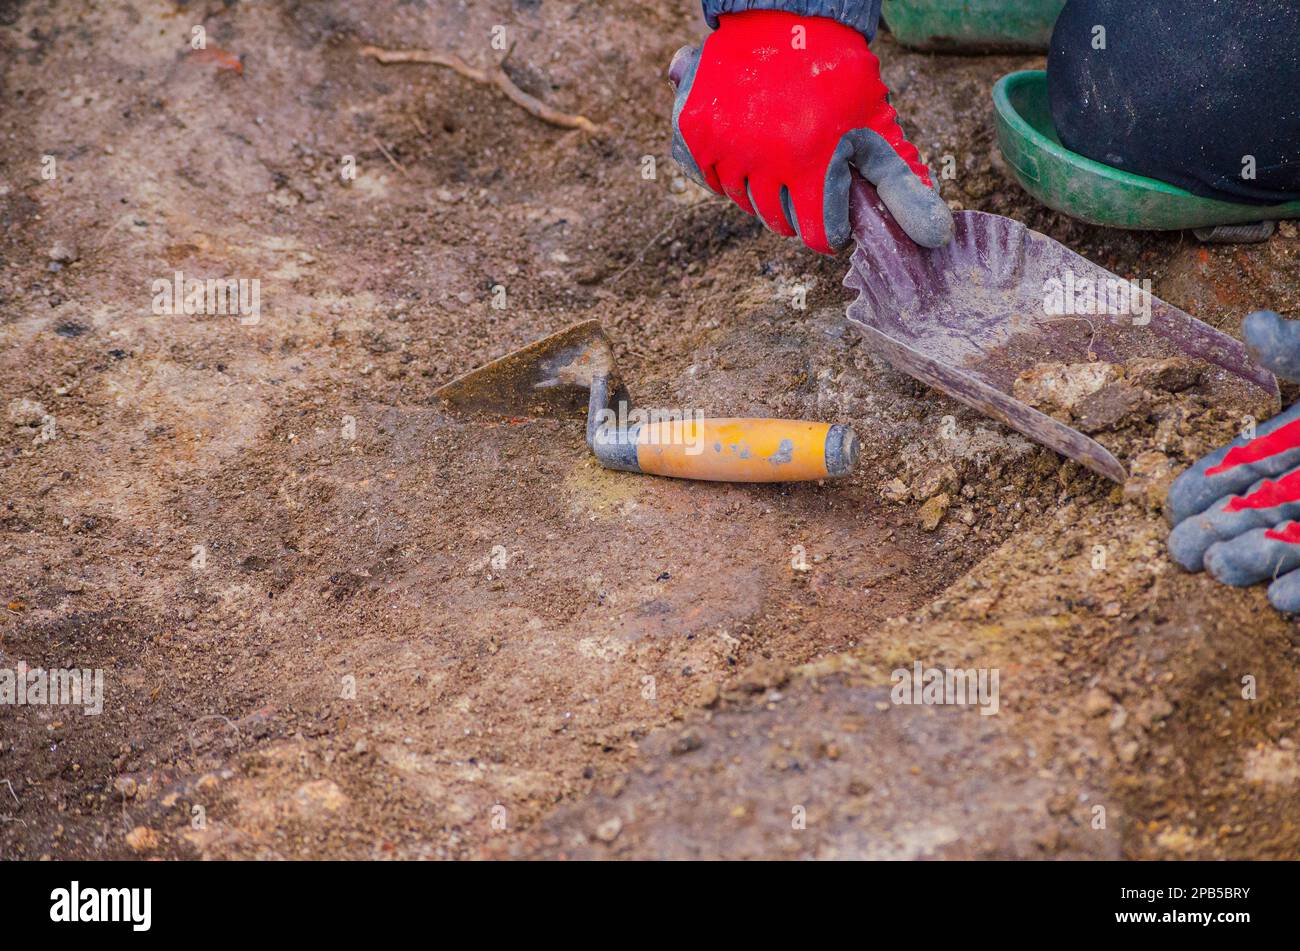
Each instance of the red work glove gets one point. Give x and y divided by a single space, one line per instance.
775 108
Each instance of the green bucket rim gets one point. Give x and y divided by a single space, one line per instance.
972 26
1080 165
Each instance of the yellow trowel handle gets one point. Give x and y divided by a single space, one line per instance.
730 450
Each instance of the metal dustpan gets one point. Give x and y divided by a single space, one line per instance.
971 317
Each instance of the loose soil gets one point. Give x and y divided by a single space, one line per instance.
336 622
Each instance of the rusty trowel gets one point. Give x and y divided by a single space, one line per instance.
573 372
971 317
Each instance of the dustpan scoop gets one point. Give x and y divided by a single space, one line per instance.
971 317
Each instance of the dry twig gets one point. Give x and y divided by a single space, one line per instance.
492 76
388 155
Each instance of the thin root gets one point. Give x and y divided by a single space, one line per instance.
388 155
492 76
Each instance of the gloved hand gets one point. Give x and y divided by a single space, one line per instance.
774 117
1235 511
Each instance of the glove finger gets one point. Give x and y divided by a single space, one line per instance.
682 75
1267 503
917 208
1237 466
1261 554
835 196
1274 342
807 199
765 198
1284 593
736 187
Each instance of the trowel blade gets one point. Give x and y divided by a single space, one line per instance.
550 377
971 317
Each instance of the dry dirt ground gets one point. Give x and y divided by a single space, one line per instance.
335 622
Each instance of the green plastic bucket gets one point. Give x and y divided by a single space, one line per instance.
972 26
1091 191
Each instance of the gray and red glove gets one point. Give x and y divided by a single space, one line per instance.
1235 512
776 108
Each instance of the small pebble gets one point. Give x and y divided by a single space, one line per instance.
608 830
25 412
63 253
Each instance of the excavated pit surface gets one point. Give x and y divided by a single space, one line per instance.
336 623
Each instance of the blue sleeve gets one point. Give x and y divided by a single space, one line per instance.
861 15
